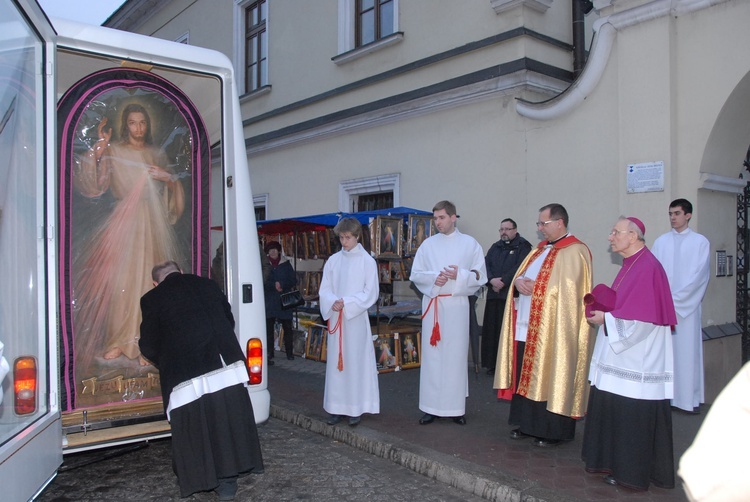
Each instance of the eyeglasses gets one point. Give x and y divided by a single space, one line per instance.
615 232
544 223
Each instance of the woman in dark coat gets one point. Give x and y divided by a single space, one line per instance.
282 279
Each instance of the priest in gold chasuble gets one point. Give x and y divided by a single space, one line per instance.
546 342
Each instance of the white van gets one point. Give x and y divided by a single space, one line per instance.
76 239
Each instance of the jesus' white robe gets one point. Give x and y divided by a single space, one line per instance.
352 276
686 260
444 378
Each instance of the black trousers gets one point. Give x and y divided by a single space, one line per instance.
286 325
491 325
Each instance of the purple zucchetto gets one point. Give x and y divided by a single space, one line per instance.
638 223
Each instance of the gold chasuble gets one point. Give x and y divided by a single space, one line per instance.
559 341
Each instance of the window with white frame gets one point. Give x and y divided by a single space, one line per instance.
254 49
364 194
260 202
366 23
374 20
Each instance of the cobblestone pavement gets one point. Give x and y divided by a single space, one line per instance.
479 457
299 465
388 457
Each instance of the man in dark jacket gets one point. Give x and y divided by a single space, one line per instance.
502 261
187 332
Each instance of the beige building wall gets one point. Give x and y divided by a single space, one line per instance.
675 88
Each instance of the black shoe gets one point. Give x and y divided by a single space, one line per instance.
546 443
290 357
227 488
610 480
517 434
334 419
460 420
491 371
354 421
271 362
426 419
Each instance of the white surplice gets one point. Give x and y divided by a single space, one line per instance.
686 260
633 359
352 276
444 378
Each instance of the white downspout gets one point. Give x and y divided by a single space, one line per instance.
605 32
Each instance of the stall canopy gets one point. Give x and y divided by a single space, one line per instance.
323 221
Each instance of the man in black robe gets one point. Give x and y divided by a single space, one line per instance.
188 333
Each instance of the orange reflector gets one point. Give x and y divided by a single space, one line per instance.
24 378
254 360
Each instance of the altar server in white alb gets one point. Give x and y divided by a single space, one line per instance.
448 268
348 288
684 254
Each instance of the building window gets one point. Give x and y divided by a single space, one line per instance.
372 201
366 26
260 202
256 45
366 194
374 20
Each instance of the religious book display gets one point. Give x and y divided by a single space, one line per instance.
391 237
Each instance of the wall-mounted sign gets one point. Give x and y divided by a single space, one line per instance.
646 177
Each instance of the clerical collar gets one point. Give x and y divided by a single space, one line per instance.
552 243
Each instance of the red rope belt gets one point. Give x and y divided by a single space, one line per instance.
338 327
435 337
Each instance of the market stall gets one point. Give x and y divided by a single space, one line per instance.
392 236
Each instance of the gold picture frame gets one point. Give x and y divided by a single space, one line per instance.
420 228
387 352
389 236
410 345
316 346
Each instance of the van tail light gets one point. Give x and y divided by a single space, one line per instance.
254 360
25 385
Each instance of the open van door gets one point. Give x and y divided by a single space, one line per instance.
30 424
181 193
83 219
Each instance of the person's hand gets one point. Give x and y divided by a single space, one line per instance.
278 287
159 174
104 132
451 272
596 318
338 305
441 280
525 286
497 284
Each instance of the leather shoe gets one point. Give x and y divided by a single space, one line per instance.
271 362
290 357
491 371
354 421
460 420
517 434
610 480
426 419
546 443
333 419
